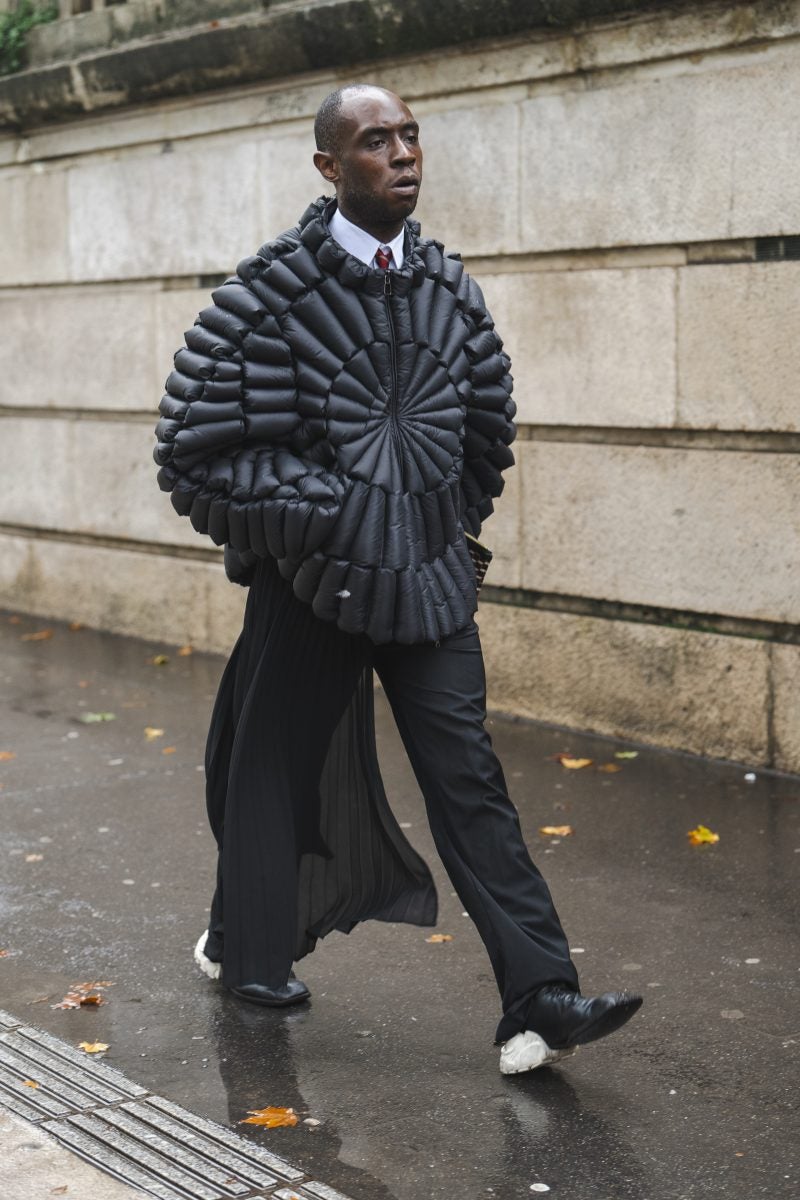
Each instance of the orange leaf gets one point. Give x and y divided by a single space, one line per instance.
574 764
438 938
185 651
7 755
556 830
14 620
4 953
273 1118
42 635
74 626
31 1083
93 1047
609 768
701 836
169 750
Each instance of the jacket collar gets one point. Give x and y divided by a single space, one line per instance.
316 236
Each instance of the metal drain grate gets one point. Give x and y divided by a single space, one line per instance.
141 1139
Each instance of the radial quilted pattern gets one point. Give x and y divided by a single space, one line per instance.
349 423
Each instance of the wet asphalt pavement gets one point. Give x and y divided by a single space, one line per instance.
106 870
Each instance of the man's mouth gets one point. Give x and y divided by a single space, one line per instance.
407 184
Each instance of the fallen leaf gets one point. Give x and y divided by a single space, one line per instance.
151 733
556 830
701 835
574 764
84 995
7 755
74 626
169 749
39 1000
312 1121
4 953
438 938
41 635
59 1191
34 857
15 620
609 768
626 754
93 1047
31 1083
83 683
93 718
272 1117
159 660
185 651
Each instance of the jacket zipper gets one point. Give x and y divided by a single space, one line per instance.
387 292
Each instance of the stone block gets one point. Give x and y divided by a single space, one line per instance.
288 181
99 347
502 533
704 530
589 347
738 353
173 209
685 152
700 692
166 599
469 199
87 477
33 228
786 707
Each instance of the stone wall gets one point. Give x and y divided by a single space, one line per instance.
626 189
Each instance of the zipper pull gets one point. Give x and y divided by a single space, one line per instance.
387 283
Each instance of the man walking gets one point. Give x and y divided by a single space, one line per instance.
339 419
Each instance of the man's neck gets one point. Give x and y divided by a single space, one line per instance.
382 232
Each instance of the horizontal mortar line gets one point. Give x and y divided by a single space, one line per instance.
715 252
784 632
661 437
109 542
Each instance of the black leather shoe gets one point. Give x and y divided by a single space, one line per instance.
293 992
564 1018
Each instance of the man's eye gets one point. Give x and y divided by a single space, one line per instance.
375 143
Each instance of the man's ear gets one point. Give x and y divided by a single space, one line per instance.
327 165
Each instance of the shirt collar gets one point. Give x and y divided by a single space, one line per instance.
363 245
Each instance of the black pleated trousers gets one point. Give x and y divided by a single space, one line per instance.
307 841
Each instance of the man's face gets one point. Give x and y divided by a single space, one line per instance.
378 170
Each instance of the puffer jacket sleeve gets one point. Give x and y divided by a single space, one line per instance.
489 423
234 453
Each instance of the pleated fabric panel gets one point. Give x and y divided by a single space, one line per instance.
295 798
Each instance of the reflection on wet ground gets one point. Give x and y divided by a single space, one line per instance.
394 1054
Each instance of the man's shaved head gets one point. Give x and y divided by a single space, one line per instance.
328 121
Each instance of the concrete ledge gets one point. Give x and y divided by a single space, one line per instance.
700 692
151 596
251 48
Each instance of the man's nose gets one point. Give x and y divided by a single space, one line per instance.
402 153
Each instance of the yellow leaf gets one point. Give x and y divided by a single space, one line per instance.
169 750
701 835
556 830
574 764
272 1117
626 754
93 1047
151 733
7 755
159 660
185 651
41 635
609 768
31 1083
438 938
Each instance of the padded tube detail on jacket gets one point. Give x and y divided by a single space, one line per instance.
349 424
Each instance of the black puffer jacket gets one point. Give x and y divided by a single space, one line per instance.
350 423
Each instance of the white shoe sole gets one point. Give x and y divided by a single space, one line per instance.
212 969
526 1051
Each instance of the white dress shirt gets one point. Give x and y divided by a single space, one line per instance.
363 245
